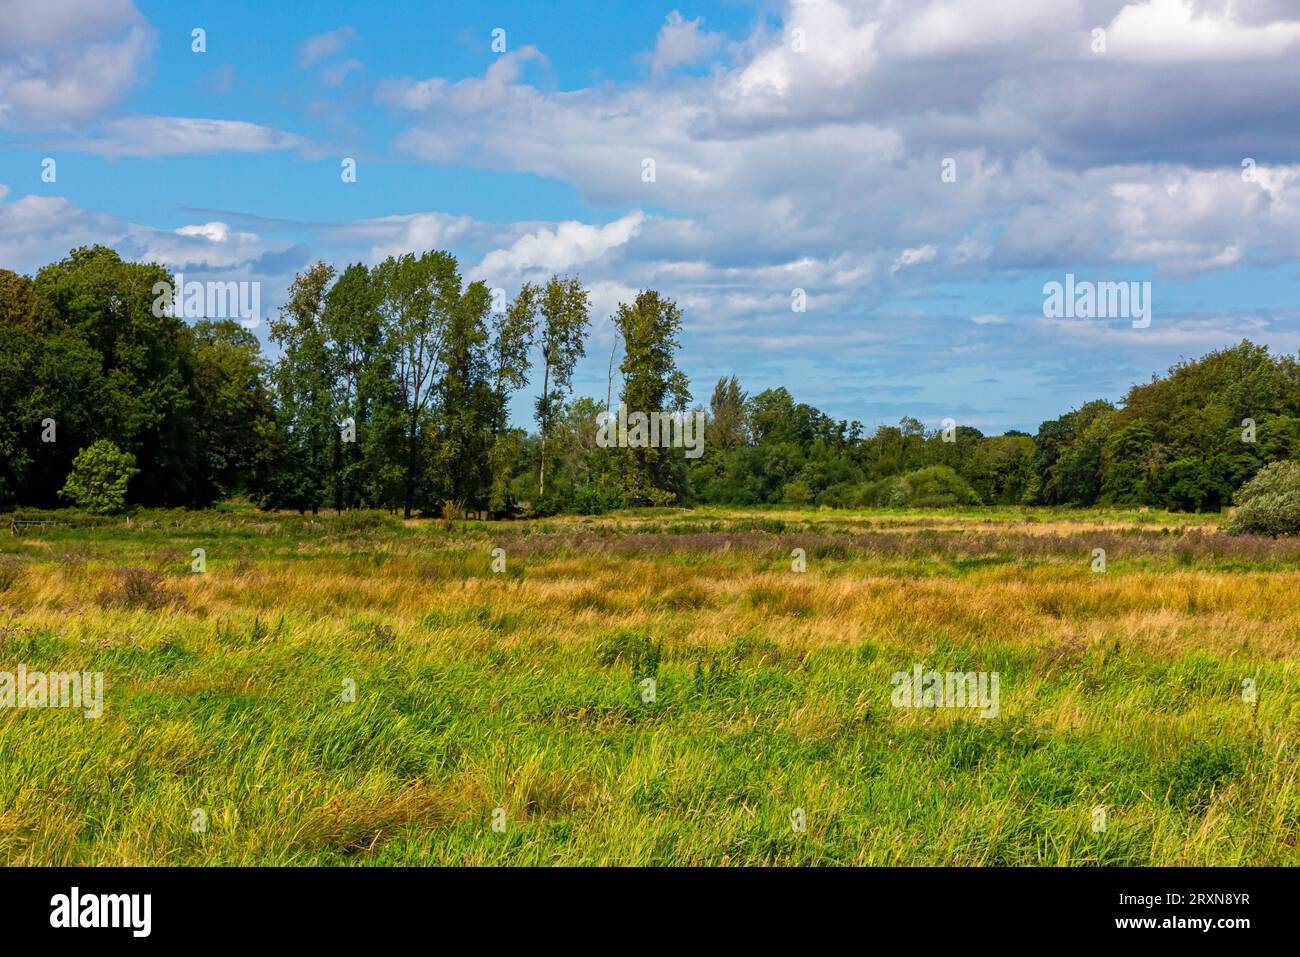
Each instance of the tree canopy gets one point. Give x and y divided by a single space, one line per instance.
390 386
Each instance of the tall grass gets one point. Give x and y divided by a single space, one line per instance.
524 691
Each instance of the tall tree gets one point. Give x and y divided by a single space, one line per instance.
147 362
727 415
467 406
650 328
418 296
305 392
354 339
565 308
513 333
234 413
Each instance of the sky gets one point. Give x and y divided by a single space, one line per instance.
919 170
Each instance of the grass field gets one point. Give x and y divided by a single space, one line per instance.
523 690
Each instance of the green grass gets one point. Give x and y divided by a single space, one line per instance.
772 690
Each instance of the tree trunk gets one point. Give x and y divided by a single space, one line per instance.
410 472
546 409
609 379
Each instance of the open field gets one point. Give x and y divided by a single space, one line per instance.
522 690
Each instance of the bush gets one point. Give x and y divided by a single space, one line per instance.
1269 504
99 477
935 487
841 495
593 499
139 589
796 493
892 492
940 487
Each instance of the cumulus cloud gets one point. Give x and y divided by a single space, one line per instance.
681 42
32 26
562 247
947 27
825 55
50 83
810 152
466 96
1176 30
398 235
35 230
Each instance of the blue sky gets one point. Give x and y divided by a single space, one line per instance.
797 145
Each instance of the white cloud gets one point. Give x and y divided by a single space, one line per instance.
322 46
35 25
913 257
945 27
44 89
335 75
35 230
412 234
681 42
1174 30
180 136
466 96
560 248
825 54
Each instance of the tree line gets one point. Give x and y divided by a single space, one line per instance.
392 384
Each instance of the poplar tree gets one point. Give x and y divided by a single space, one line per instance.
417 298
565 309
304 389
651 383
513 333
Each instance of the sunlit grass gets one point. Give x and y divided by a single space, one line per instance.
523 690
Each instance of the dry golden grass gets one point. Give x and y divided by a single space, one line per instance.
478 691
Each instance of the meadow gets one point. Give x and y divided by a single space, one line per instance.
355 689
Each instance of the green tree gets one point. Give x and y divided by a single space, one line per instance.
355 357
52 385
147 364
234 413
100 475
650 328
565 308
418 298
466 406
513 333
1269 504
1130 461
304 383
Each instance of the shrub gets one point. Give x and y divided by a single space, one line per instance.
593 499
935 487
1269 504
99 477
139 589
841 495
938 487
892 492
796 493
